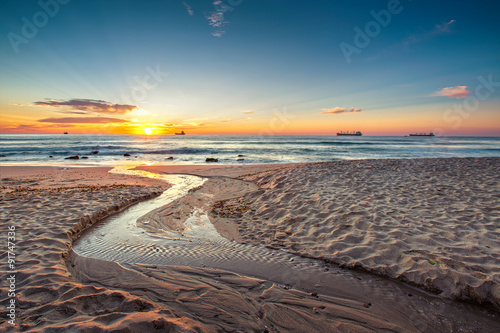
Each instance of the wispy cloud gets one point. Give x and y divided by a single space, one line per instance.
248 112
216 19
439 29
404 45
453 92
188 8
339 110
72 112
445 27
83 120
89 105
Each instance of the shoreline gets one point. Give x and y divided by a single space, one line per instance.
207 171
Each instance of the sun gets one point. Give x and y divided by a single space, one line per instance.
148 130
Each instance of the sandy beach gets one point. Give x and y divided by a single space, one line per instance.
431 223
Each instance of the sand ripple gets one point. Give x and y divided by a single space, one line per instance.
430 222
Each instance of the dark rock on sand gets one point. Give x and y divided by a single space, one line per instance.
2 155
210 159
85 157
241 155
170 158
127 155
240 159
72 158
95 152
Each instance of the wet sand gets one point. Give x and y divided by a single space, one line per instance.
100 295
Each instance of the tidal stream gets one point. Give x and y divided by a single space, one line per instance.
118 239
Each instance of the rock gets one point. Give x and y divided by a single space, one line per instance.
210 159
95 152
72 158
240 159
51 156
241 155
2 155
170 158
126 155
85 157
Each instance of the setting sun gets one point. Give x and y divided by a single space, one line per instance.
148 130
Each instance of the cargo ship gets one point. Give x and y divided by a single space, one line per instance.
181 133
421 134
358 133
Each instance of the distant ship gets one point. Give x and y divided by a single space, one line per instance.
65 133
422 134
181 133
358 133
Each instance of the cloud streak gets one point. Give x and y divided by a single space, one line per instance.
248 112
188 8
439 29
88 105
339 110
453 92
445 27
83 120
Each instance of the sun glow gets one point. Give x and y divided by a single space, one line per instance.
148 130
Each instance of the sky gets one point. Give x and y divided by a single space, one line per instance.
250 67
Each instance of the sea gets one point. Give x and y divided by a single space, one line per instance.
110 150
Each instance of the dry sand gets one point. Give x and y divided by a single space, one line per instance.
434 223
384 216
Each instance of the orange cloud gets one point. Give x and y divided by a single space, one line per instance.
89 105
83 120
339 110
453 92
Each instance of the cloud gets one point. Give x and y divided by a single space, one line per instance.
248 112
30 128
339 110
188 8
216 18
72 112
89 105
83 120
453 92
439 29
445 27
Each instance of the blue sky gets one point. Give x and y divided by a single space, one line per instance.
232 66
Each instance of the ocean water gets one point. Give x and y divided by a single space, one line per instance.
194 149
